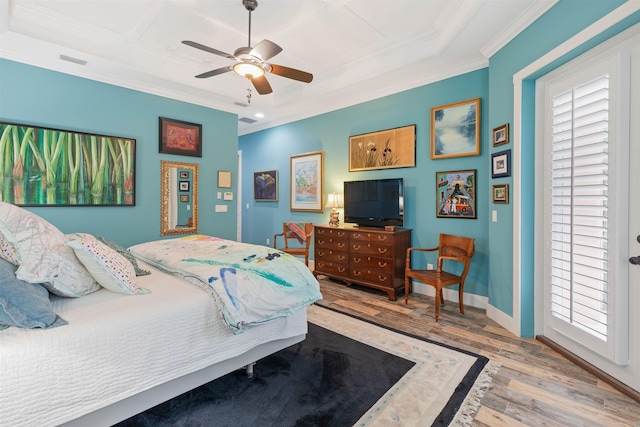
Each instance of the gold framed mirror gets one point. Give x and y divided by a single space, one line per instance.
179 198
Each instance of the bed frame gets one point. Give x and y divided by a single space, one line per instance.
140 402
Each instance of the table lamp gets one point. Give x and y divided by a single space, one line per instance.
334 201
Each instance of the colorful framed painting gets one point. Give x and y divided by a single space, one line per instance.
501 164
307 178
265 186
42 166
386 149
455 129
500 193
179 137
456 194
501 135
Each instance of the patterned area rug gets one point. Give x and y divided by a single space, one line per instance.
443 388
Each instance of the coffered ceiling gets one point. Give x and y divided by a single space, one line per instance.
357 50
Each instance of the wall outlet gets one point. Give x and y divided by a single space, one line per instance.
267 241
429 266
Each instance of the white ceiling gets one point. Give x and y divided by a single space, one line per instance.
357 50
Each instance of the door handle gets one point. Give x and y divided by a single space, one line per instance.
635 260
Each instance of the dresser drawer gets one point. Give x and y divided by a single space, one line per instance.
367 248
373 276
331 268
367 236
371 262
331 233
325 254
330 243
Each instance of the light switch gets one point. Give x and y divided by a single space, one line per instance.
219 195
494 216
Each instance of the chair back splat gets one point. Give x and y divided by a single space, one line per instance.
452 248
296 238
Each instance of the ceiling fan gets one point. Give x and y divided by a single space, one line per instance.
250 61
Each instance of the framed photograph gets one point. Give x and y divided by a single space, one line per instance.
501 164
456 194
386 149
501 135
307 178
500 193
178 137
184 198
265 186
224 179
52 167
183 185
184 174
455 129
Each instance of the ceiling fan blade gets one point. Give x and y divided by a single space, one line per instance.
266 49
262 85
208 49
291 73
215 72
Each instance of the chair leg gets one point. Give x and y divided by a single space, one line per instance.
437 298
407 286
460 291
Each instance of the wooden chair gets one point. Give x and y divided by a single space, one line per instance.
290 236
453 248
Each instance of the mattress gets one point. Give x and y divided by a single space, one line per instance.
116 346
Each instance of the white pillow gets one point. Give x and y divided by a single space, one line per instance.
42 253
112 270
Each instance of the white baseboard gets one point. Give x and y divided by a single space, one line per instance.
503 319
452 295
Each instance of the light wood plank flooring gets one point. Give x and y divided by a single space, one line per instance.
535 385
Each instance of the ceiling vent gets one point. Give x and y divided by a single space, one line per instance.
74 60
246 120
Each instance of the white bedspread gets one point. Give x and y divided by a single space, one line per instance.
115 346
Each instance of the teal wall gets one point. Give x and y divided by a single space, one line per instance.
39 97
493 275
272 148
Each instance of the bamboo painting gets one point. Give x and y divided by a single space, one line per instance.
51 167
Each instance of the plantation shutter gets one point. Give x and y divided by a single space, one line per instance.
579 206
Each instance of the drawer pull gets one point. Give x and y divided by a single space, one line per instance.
341 257
319 231
382 278
320 253
356 247
356 273
341 269
382 250
382 264
382 238
341 233
320 242
356 235
341 245
357 260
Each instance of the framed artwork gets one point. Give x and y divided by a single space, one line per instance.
224 179
456 194
307 178
501 135
386 149
184 174
51 167
184 198
265 186
183 185
178 137
455 129
501 164
500 193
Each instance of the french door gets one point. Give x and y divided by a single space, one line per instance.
589 163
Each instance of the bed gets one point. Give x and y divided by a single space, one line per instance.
118 353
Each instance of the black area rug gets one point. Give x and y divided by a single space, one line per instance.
326 380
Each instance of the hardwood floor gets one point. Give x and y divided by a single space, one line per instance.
535 386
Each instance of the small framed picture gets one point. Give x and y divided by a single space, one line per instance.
184 174
183 185
184 198
265 185
180 137
500 193
224 179
501 135
501 164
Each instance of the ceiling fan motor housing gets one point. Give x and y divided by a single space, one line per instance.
250 5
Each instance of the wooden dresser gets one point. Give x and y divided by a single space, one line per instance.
370 257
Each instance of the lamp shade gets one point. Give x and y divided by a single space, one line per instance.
334 201
248 70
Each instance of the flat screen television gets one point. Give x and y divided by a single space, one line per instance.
374 202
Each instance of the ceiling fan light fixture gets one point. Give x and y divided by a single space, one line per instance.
248 70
